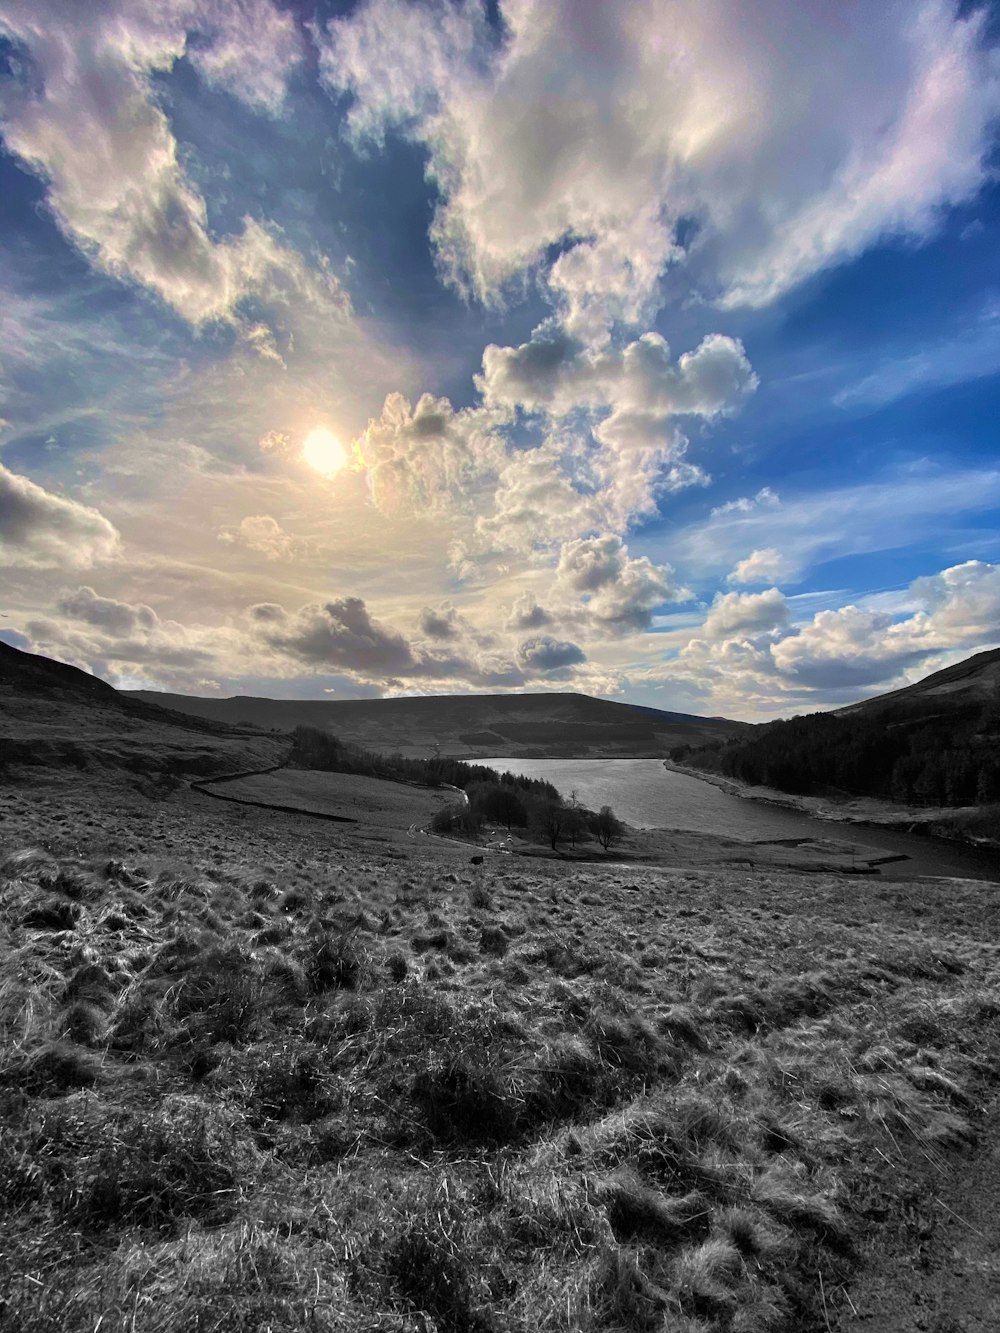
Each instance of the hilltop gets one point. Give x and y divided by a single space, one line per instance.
475 726
977 679
55 716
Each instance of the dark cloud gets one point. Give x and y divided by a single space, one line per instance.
117 618
441 624
343 634
547 654
39 530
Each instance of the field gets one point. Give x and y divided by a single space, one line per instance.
260 1071
343 795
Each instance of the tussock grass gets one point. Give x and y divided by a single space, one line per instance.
235 1093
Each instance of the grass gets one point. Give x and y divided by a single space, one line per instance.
263 1078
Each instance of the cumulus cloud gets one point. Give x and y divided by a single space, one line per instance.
749 655
527 614
83 116
618 592
444 623
39 530
107 613
791 139
546 654
428 457
554 373
342 635
265 535
630 397
745 614
763 566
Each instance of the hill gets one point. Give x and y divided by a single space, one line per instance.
470 726
977 678
935 743
56 716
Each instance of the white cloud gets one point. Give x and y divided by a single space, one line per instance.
618 592
748 656
792 138
84 117
745 614
265 535
761 566
39 530
746 504
247 47
428 457
892 511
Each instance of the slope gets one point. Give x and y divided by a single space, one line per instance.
56 716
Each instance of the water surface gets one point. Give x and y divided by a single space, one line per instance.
647 795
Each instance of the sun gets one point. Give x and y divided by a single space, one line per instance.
323 452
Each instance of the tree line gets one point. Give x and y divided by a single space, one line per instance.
900 752
508 800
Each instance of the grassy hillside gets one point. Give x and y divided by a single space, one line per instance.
58 718
257 1073
471 726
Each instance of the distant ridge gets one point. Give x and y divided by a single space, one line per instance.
466 726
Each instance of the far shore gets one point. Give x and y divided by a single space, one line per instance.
929 821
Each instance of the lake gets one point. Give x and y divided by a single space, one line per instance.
645 794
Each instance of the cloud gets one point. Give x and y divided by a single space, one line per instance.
554 373
265 535
618 592
967 354
444 623
590 139
84 117
746 504
247 47
527 614
546 654
428 457
615 445
891 511
745 614
39 530
106 613
342 635
748 656
762 566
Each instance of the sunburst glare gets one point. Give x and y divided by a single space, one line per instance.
324 452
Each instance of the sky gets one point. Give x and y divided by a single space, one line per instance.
647 349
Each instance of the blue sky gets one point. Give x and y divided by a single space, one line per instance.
648 349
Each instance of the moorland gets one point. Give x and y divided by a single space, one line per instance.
263 1070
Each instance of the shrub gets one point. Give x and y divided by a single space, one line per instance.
335 962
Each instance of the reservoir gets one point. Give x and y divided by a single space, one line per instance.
645 794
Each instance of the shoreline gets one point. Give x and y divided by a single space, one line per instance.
861 810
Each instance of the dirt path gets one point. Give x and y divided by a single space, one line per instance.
949 1282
